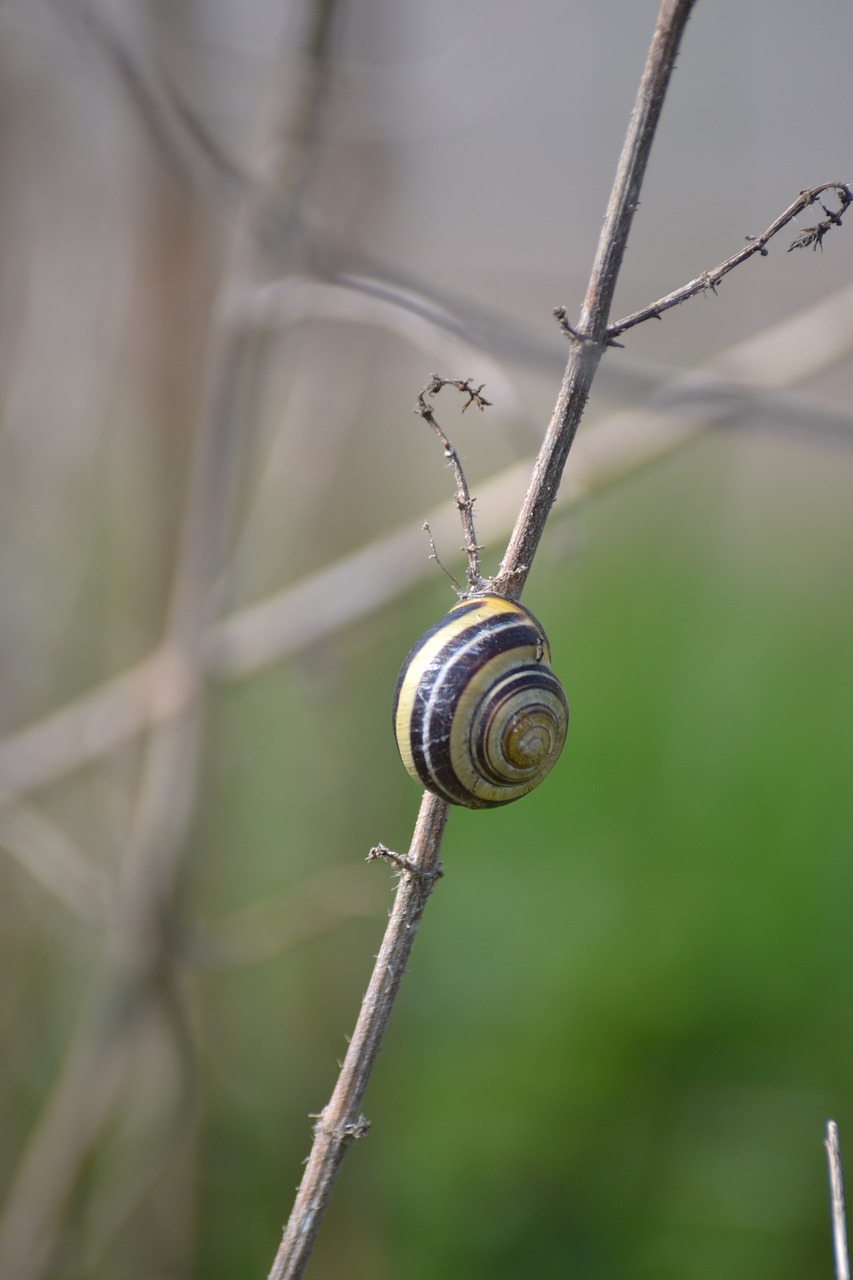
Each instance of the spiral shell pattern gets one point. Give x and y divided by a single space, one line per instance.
479 716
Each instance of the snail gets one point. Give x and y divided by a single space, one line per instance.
479 716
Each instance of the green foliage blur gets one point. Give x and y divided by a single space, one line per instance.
624 1027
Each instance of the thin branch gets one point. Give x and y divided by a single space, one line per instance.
836 1192
433 555
757 244
464 501
591 331
340 1123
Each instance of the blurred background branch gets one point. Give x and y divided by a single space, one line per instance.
139 984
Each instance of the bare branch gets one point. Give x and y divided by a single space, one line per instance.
341 1121
757 244
464 501
433 555
591 330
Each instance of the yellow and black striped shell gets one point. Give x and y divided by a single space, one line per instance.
479 716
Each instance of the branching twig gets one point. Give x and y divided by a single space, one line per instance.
591 331
836 1195
433 555
757 244
464 501
403 866
341 1120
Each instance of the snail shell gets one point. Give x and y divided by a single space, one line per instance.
479 716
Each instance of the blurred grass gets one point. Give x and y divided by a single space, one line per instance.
623 1028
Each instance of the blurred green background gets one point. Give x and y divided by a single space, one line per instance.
626 1020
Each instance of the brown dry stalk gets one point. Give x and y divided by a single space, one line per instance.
341 1122
809 238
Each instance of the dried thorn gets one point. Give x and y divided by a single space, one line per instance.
474 395
810 237
563 317
708 282
344 1133
404 866
380 853
833 216
762 246
433 555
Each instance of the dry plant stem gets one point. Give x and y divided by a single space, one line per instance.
590 338
341 1122
836 1192
464 501
810 237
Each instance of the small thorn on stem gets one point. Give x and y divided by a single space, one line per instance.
342 1133
563 317
403 866
433 555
